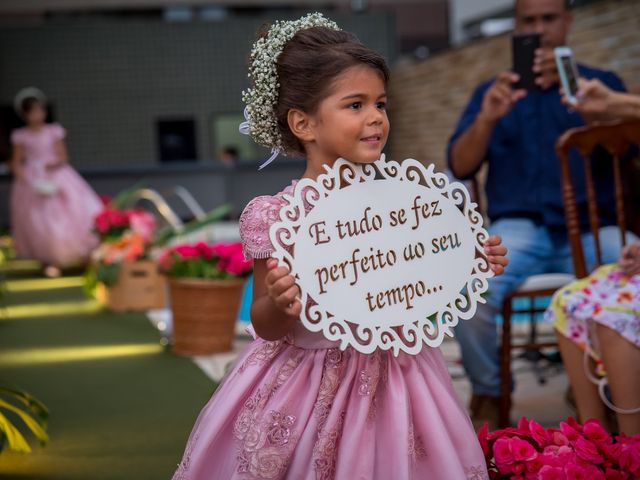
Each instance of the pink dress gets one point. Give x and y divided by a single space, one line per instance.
302 409
53 227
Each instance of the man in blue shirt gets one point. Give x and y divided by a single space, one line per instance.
515 131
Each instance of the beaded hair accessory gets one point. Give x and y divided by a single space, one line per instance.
261 99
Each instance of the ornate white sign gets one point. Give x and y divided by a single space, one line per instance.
387 255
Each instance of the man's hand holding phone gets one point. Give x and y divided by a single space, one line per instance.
500 97
545 67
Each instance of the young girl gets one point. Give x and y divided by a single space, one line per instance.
52 207
295 406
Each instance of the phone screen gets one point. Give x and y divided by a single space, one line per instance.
524 46
569 70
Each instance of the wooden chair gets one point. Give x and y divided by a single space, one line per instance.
617 139
534 287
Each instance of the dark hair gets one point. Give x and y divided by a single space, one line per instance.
28 103
568 4
308 67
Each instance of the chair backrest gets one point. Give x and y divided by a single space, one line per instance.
617 139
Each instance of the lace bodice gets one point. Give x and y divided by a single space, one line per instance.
255 221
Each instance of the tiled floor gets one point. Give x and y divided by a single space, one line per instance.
543 403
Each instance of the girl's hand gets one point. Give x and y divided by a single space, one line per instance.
282 289
630 259
496 254
54 166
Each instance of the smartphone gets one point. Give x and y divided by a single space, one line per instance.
523 49
568 73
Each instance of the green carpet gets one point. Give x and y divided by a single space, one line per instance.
121 407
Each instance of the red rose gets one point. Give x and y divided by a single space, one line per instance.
238 265
594 432
551 473
186 251
522 450
587 451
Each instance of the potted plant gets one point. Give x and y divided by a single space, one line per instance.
205 284
574 450
128 277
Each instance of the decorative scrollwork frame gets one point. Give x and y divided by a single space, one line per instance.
408 337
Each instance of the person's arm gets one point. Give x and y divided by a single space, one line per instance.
62 157
274 309
598 100
625 106
614 84
470 148
59 133
15 163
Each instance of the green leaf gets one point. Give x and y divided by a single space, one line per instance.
108 274
127 197
15 441
90 286
36 406
28 420
165 235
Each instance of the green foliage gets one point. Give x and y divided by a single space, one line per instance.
32 413
108 274
197 268
166 234
127 197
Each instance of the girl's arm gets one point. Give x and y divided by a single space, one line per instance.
16 162
61 154
274 309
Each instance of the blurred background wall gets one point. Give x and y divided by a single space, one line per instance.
428 96
150 90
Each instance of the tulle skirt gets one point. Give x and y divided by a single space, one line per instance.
55 228
292 412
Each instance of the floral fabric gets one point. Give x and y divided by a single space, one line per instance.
607 297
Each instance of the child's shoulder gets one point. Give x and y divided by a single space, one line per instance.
56 130
255 221
18 135
49 130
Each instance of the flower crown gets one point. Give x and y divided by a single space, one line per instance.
261 122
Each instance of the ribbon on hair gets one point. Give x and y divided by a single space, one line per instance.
245 130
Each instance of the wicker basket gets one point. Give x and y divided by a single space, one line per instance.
204 314
139 287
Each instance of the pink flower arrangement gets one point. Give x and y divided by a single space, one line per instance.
112 223
572 452
203 260
125 236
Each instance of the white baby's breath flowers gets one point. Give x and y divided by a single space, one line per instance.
262 98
